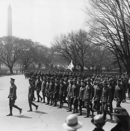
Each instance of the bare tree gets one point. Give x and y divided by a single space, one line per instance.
43 55
9 51
73 46
111 28
26 53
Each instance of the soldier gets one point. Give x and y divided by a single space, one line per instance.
61 90
51 89
74 95
30 95
113 85
12 97
118 93
97 96
65 89
80 98
78 85
43 88
129 88
33 82
110 98
88 97
38 88
111 94
123 89
69 93
104 97
56 92
47 91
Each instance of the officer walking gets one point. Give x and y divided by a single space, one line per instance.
12 97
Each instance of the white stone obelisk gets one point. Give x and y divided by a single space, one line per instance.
9 28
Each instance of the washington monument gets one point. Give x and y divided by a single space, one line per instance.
9 28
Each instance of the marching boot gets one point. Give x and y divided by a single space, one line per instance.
80 110
30 106
77 111
44 100
10 111
20 110
87 115
36 107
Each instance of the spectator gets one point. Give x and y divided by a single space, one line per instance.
99 121
121 117
72 123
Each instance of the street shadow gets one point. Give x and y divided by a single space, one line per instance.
127 102
127 98
23 116
1 89
65 107
40 112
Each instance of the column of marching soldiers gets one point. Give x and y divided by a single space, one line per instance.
95 93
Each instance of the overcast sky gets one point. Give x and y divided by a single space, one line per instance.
43 20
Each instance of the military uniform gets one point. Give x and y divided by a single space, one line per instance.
65 90
97 97
88 98
38 88
51 88
12 97
104 97
78 85
43 89
30 96
56 92
124 89
74 96
81 97
118 94
110 96
69 94
47 91
61 91
129 88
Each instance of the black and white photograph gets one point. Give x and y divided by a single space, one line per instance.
64 65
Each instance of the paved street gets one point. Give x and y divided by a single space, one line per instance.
46 118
